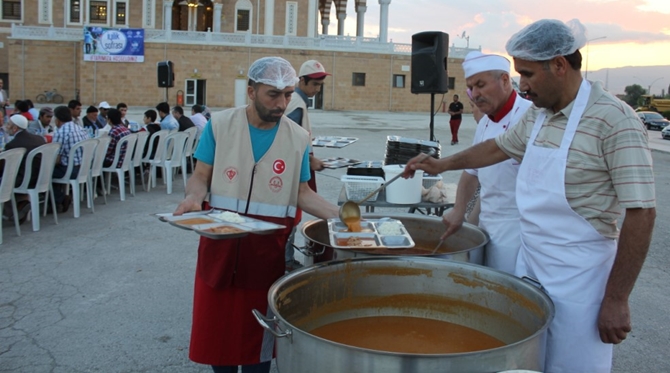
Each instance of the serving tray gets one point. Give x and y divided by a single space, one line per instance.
213 225
370 236
339 162
333 141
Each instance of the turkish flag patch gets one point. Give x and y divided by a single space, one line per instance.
279 166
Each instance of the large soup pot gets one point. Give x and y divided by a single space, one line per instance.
503 306
466 245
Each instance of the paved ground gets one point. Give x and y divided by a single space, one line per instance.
111 291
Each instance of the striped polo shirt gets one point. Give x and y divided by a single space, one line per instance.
609 165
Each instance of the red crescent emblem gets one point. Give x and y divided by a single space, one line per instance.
230 174
279 166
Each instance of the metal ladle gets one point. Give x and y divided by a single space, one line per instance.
350 211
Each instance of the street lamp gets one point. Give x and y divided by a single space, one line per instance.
652 83
586 74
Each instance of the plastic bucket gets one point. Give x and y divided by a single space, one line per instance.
403 191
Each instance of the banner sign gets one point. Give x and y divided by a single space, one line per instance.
104 44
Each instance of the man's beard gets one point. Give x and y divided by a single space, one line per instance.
266 115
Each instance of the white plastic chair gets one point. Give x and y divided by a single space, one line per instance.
177 142
48 153
157 141
129 141
83 176
142 138
96 169
12 160
190 144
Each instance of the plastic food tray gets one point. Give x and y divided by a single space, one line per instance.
333 141
339 162
369 237
205 223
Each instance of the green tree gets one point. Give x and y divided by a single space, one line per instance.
633 93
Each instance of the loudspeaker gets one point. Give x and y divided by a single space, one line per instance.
165 74
429 62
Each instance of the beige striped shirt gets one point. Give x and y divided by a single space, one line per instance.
609 164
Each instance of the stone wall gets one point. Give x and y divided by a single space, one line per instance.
36 66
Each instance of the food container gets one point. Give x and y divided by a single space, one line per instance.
358 187
465 245
496 303
430 180
371 236
212 224
403 191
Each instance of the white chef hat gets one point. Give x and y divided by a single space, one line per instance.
477 62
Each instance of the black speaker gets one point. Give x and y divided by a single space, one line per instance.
165 74
429 62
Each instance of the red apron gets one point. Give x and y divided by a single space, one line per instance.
232 278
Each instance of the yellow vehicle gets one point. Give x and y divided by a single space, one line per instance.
650 103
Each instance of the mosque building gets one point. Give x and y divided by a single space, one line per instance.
58 45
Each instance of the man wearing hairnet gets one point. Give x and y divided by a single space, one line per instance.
584 159
253 161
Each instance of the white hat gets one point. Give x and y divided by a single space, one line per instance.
104 105
19 121
477 62
313 69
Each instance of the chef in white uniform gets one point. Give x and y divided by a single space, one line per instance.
585 159
488 79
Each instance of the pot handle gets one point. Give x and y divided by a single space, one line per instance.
307 250
264 323
534 282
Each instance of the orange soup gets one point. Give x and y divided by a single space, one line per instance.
411 335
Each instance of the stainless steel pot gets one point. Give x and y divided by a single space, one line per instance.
466 245
501 305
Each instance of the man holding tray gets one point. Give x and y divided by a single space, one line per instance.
267 181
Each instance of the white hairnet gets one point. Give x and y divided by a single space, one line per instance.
274 71
546 39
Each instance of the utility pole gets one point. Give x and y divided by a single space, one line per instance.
586 74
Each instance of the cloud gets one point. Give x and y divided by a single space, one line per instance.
617 34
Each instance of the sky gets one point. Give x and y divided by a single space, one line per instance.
621 32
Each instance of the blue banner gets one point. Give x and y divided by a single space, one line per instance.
105 44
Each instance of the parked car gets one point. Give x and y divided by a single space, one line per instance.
665 133
653 120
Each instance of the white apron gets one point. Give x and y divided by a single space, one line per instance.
564 252
499 215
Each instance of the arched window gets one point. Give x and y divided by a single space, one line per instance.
243 18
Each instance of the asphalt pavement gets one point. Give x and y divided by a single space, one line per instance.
112 291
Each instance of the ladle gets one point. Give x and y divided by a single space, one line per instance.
350 211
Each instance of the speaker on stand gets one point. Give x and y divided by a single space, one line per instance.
430 50
165 70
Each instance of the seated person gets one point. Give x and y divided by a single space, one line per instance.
184 121
42 125
117 132
22 107
91 118
17 126
152 127
68 134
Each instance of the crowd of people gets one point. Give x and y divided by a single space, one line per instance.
28 127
